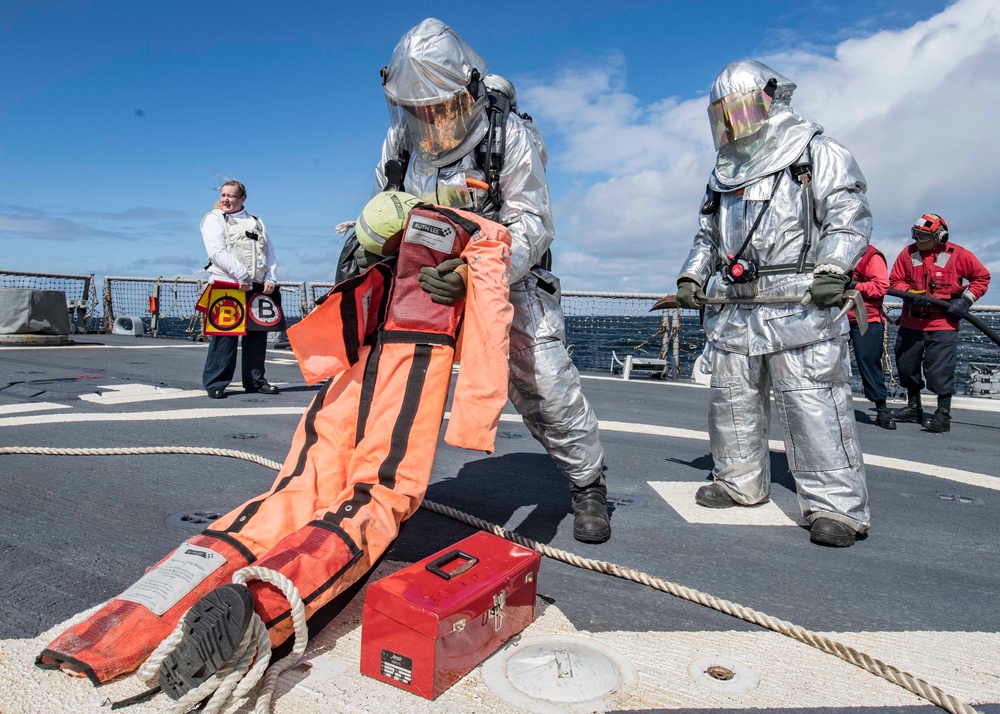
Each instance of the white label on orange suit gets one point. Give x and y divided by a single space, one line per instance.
164 586
436 235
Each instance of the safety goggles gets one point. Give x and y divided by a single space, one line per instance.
437 127
738 115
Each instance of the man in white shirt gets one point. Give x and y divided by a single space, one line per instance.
239 251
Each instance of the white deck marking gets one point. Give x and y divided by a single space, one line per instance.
282 360
166 415
970 478
33 407
128 393
783 509
114 347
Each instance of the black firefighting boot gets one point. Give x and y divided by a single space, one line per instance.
883 417
941 421
213 630
912 412
826 531
591 522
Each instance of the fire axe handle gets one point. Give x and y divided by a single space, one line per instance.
972 319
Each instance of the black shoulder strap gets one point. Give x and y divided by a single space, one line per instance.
492 149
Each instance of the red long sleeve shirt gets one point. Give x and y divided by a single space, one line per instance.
947 271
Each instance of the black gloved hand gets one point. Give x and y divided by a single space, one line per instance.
827 289
445 283
364 258
689 294
919 300
960 307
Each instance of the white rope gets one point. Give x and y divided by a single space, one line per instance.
917 686
236 679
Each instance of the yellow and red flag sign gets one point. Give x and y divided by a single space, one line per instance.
225 308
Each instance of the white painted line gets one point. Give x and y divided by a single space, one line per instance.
650 380
782 510
113 347
128 393
169 415
970 478
282 361
33 407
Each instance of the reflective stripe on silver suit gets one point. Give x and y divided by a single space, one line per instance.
545 385
797 350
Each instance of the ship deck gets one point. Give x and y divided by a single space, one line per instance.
920 593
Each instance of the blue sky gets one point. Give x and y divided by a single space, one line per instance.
118 118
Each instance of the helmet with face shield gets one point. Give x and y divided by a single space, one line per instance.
741 98
433 87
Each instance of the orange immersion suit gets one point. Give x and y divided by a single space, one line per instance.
362 455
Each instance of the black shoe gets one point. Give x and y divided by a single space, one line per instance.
883 418
713 495
940 422
217 393
826 531
264 389
213 629
909 414
591 522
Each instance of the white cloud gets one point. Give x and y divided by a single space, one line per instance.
917 107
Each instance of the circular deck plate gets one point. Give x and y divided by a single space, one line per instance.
559 673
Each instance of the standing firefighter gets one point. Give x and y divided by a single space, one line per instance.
456 139
785 216
927 341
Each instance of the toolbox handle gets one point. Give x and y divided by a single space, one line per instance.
436 565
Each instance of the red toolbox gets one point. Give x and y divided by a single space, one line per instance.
426 626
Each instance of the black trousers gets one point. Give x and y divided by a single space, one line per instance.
220 364
935 353
868 355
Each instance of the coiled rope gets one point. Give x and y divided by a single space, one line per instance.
248 662
907 681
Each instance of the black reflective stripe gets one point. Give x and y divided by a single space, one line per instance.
464 223
356 554
785 268
367 390
311 438
408 337
59 658
349 322
226 538
400 439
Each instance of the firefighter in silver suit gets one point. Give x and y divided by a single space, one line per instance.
785 215
437 97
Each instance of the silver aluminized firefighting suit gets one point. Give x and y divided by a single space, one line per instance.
429 65
798 350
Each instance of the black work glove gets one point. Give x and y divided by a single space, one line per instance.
364 258
827 289
445 283
689 294
919 300
960 307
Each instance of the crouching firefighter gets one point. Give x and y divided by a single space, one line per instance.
360 459
456 138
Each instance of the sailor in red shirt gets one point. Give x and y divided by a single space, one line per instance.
871 279
927 340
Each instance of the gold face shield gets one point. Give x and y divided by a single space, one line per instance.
739 115
440 127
